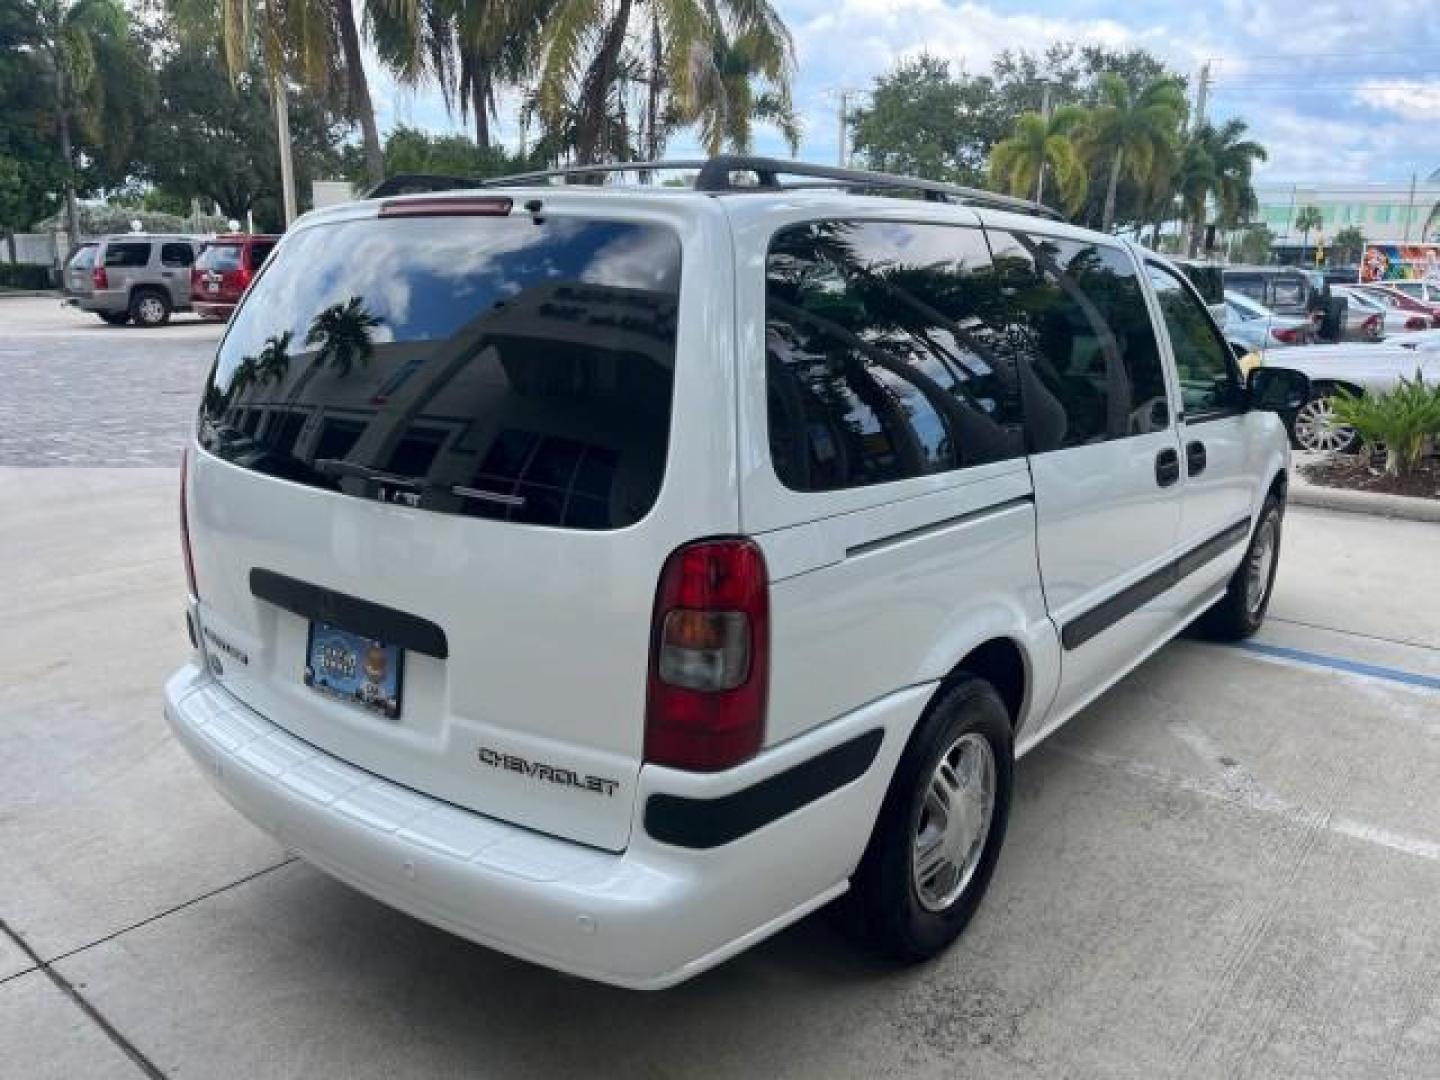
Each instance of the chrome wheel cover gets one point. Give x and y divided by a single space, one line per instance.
151 310
1317 429
953 822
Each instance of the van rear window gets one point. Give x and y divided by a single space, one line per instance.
506 368
219 257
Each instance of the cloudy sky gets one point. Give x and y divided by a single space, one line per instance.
1338 90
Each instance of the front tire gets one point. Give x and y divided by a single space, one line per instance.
1239 613
1314 427
941 827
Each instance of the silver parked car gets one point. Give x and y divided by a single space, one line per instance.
142 277
1392 320
1252 327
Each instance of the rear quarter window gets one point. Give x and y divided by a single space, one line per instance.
491 367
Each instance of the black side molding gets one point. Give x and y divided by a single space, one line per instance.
1107 613
709 823
350 613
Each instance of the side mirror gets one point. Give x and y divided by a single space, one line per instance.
1277 389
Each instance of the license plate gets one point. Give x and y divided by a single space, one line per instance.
212 286
355 668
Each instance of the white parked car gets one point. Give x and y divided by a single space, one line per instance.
1359 369
1392 320
613 575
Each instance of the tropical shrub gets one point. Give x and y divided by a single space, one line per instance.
1403 421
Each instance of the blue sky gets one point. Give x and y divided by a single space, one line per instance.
1341 91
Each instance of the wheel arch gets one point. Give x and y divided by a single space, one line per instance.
1002 662
150 287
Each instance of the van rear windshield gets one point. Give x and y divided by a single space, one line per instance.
219 257
512 368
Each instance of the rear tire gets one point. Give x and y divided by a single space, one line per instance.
150 307
940 829
114 318
1239 613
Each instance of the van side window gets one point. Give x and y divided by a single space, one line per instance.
879 363
1090 360
1207 378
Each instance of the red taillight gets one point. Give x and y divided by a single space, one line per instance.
1372 325
99 278
1416 322
242 278
1286 335
709 657
185 525
473 206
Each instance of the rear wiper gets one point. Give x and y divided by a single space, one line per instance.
337 467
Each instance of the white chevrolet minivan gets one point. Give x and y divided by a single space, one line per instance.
612 574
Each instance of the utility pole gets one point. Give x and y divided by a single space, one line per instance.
842 116
1044 115
287 166
1202 94
1410 209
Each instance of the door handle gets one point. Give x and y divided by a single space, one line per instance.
1194 458
1167 467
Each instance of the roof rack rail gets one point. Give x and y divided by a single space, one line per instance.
717 175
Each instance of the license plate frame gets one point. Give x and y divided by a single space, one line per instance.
354 668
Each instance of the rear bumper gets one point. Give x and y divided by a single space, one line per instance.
216 311
647 918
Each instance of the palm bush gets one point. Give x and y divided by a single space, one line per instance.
1403 421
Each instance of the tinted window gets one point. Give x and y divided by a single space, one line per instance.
219 257
176 254
1209 281
1250 285
123 255
880 364
259 252
494 367
1287 292
1077 316
1202 361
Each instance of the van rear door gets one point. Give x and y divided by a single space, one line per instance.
442 465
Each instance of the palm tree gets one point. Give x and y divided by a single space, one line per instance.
688 34
1133 130
1019 164
728 100
70 45
1307 219
1217 165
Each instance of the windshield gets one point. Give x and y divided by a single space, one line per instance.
494 367
219 257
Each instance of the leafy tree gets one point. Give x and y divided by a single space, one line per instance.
32 171
1255 244
1348 245
923 121
1019 164
410 149
1308 219
215 140
1134 132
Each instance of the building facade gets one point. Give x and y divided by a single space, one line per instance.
1384 213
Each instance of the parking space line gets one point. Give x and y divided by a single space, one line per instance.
1336 663
129 1049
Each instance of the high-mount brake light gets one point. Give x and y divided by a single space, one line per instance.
478 206
709 657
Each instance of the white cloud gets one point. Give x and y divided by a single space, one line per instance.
1412 99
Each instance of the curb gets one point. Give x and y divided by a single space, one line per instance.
1403 507
53 294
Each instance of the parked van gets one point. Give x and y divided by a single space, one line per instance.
614 575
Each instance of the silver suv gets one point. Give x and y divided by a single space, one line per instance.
139 276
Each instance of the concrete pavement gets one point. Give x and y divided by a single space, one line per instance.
1226 867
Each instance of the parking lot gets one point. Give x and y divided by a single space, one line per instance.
1227 866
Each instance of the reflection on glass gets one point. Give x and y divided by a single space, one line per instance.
498 368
